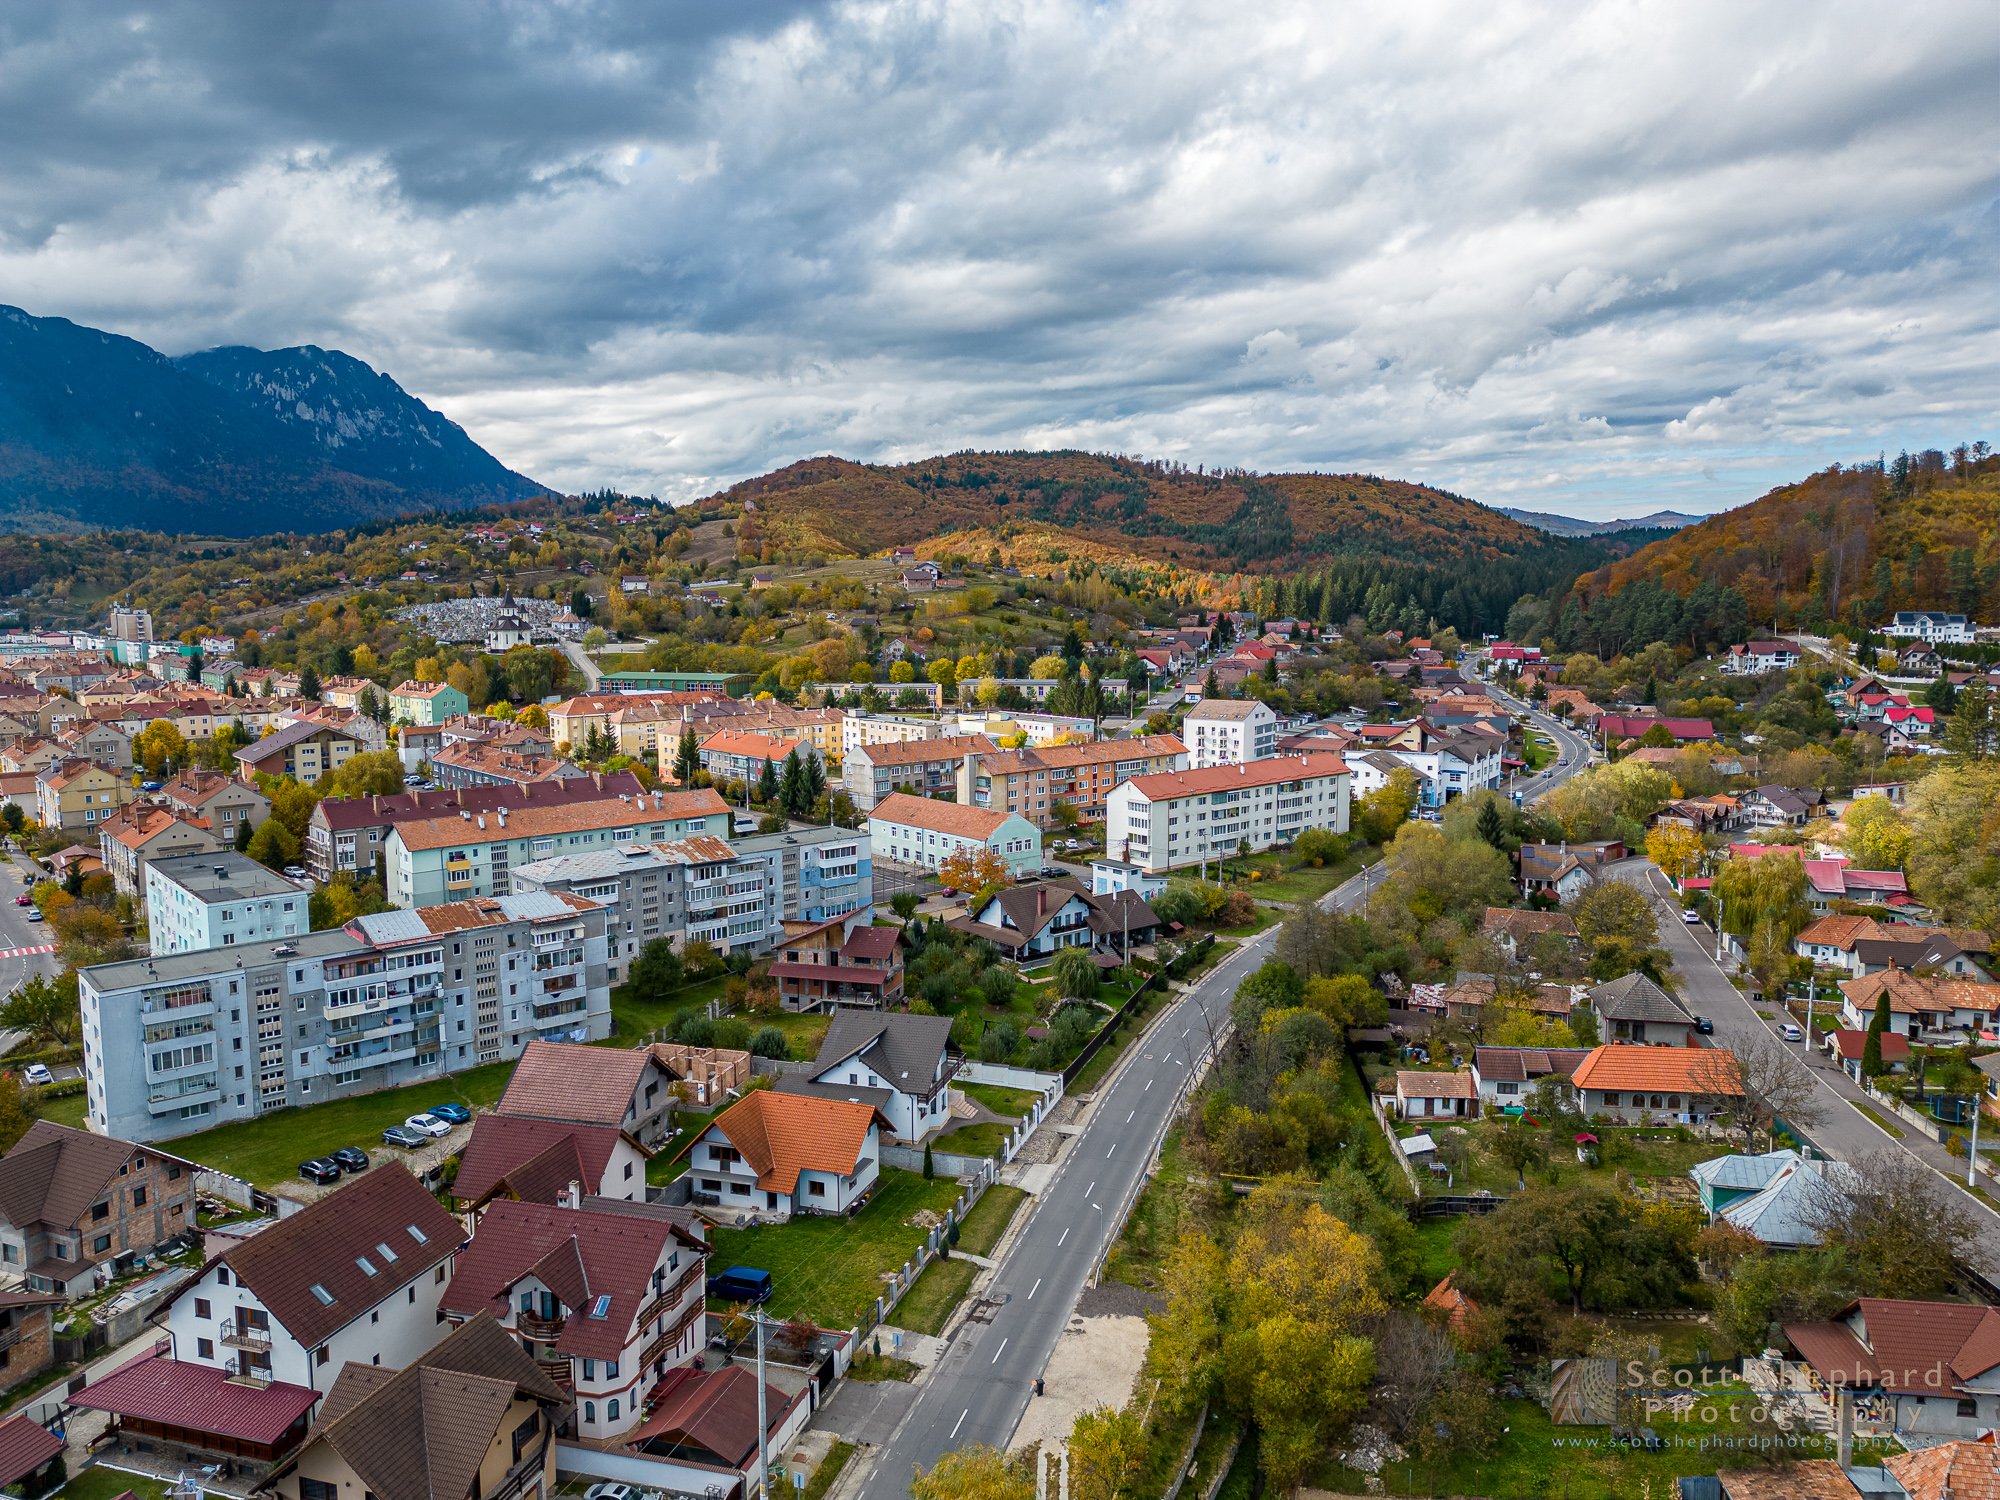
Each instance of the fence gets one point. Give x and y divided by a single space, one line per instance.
1108 1030
901 1280
1395 1146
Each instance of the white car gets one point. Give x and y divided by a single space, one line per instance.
1692 918
611 1492
428 1124
1791 1033
37 1074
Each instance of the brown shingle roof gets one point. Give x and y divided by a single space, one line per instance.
566 1081
54 1174
916 752
420 1433
1522 924
1913 1347
324 1244
534 1159
1809 1479
1436 1086
342 813
530 821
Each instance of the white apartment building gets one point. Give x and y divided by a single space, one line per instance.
1180 818
1229 732
1933 625
1456 765
196 901
924 832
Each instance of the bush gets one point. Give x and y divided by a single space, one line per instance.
771 1041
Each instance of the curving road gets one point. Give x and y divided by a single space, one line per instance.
978 1390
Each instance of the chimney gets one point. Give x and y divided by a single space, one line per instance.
572 1196
465 815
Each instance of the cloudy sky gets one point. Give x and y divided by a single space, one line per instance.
1596 258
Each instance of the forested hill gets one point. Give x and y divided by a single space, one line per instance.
1224 521
98 430
1839 550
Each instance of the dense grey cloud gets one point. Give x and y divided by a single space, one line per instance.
1594 259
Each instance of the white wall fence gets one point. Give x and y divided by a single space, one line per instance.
902 1279
1395 1145
235 1190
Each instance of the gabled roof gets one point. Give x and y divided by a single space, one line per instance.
1523 924
712 1411
1740 1171
322 1248
1525 1064
1167 785
1436 1086
568 1081
24 1447
1634 997
54 1174
919 752
1626 1066
527 819
580 1254
1790 1209
781 1135
1849 1043
343 813
1949 1471
279 740
905 1049
741 742
533 1159
938 817
421 1433
1919 994
1085 753
202 1398
1901 1345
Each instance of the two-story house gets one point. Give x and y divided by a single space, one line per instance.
76 1208
426 703
538 1161
77 795
836 962
144 832
216 797
626 1089
1634 1009
305 751
771 1155
898 1063
606 1297
472 1418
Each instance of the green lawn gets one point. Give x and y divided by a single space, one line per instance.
804 1032
99 1483
1641 1151
939 1290
981 1229
668 1162
268 1149
1435 1257
829 1470
1013 1103
1538 751
830 1269
981 1138
633 1018
70 1111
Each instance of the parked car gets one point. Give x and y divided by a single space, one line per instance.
320 1169
1791 1033
295 872
24 899
149 786
1692 918
428 1124
37 1074
402 1135
1705 1026
454 1113
611 1490
741 1284
34 913
350 1159
1054 872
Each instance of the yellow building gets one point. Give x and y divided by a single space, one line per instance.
78 794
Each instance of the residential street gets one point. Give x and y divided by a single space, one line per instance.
1839 1129
979 1388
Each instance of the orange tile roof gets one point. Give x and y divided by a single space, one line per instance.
1090 753
751 746
1436 1086
1914 994
1949 1471
939 817
574 817
1841 932
1619 1067
914 752
1809 1479
782 1135
415 689
135 827
1268 772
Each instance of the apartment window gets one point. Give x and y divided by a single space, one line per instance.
1968 1407
101 1244
204 1348
201 1307
139 1193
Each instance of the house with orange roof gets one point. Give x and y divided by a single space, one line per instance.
1436 1096
923 832
771 1155
1640 1084
1922 1007
144 832
77 795
1032 782
736 755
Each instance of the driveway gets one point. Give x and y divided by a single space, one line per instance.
1838 1129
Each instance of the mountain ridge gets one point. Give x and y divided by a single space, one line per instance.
101 430
1558 525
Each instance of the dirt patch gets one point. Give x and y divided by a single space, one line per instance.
923 1218
1096 1363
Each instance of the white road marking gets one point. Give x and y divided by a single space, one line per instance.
1063 1236
1128 1117
1149 1084
1107 1154
1033 1289
960 1423
1091 1189
994 1361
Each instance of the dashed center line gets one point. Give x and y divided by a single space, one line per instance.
994 1360
1063 1236
1033 1289
960 1422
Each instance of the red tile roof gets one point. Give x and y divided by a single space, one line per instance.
940 817
781 1135
713 1410
24 1448
201 1398
342 813
1619 1067
1895 1046
520 1150
566 1081
1267 772
1916 1347
1949 1471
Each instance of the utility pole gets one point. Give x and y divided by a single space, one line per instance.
763 1426
1972 1156
1812 998
1718 929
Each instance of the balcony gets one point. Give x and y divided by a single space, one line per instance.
670 1338
258 1340
542 1330
669 1298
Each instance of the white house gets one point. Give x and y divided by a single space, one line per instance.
1921 1007
217 900
613 1290
1179 818
1932 625
354 1278
891 1060
1755 658
922 831
771 1155
1436 1096
1229 732
1452 765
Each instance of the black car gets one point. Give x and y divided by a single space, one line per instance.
1705 1026
1053 872
350 1159
321 1169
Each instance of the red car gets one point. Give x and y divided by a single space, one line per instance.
24 899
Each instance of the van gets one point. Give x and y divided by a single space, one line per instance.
741 1284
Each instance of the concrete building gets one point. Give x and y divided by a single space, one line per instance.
737 896
448 858
78 1209
923 832
305 751
1229 732
426 703
1182 818
196 901
924 766
180 1042
737 755
77 795
217 797
1034 783
472 763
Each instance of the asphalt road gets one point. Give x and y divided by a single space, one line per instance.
978 1390
1835 1126
16 931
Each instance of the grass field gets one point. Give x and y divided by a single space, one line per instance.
664 1167
981 1229
633 1018
830 1269
100 1483
981 1138
268 1150
70 1111
1013 1103
940 1289
1435 1257
1640 1151
829 1469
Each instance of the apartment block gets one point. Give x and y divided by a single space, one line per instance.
182 1041
1181 818
196 901
1033 782
927 767
1229 732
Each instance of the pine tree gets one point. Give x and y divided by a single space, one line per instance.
767 784
1491 828
792 784
1871 1045
687 759
815 778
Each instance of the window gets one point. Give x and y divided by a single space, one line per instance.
320 1355
101 1244
139 1193
589 1415
204 1348
222 1278
611 1410
99 1212
325 1297
815 1189
1968 1407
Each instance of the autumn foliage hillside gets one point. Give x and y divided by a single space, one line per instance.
1843 545
1222 521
